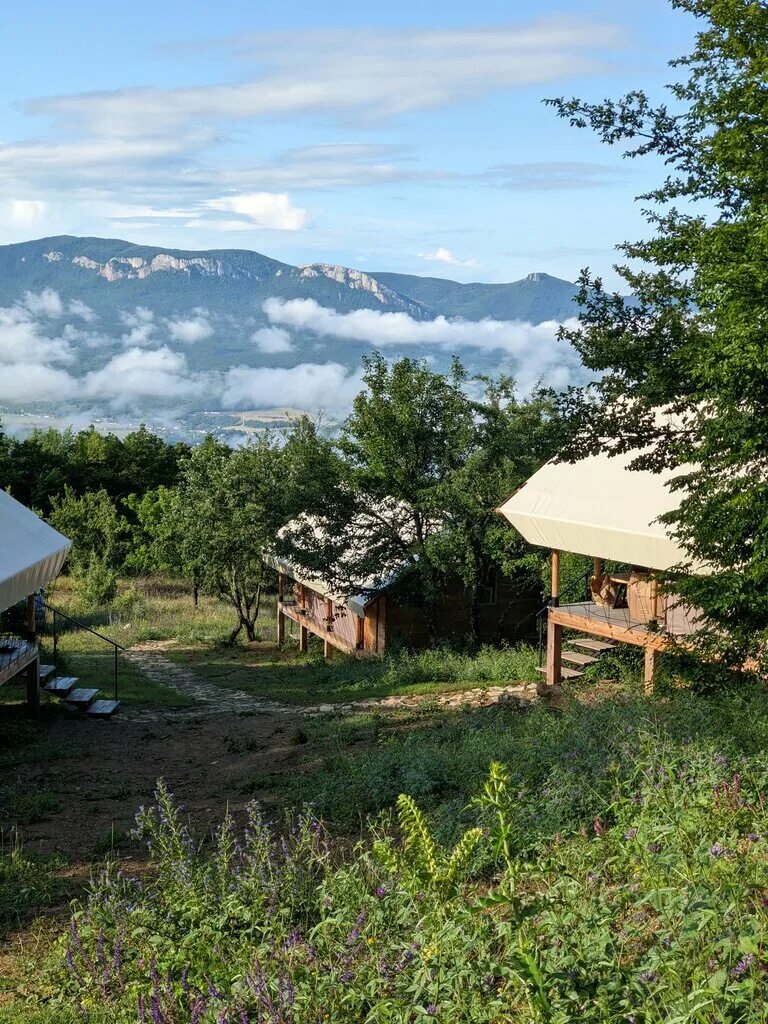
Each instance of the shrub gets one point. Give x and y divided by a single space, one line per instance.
98 584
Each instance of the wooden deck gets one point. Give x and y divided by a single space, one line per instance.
609 623
15 656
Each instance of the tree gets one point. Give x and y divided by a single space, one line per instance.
421 467
693 339
228 511
94 525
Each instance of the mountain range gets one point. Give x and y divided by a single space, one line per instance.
108 273
226 308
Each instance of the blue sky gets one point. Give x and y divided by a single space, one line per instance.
409 136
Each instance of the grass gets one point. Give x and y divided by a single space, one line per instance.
270 673
614 869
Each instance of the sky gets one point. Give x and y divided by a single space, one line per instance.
409 136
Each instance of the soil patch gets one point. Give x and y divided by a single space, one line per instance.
84 797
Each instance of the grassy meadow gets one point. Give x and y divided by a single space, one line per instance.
607 863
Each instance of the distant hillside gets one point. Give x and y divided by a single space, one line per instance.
110 273
102 324
536 298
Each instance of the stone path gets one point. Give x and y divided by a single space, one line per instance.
150 659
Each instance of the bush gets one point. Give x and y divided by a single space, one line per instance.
98 584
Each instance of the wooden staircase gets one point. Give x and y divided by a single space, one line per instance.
588 655
82 700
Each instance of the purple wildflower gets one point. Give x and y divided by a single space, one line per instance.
430 1010
381 891
743 966
646 977
631 833
717 850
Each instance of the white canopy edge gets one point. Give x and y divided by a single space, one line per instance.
32 553
355 602
601 508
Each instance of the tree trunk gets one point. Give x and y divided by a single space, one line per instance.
196 595
474 614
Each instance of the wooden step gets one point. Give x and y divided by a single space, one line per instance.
103 708
81 698
60 686
577 658
46 671
566 673
593 645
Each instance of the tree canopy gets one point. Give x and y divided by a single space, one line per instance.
693 338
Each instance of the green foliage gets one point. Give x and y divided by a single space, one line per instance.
420 859
98 583
638 894
692 338
423 465
95 526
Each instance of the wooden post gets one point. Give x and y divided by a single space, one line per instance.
649 667
654 600
280 612
360 633
327 649
33 687
31 625
555 587
597 571
554 653
303 639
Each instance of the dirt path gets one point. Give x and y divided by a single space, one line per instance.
149 657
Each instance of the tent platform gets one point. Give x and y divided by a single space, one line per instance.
607 623
15 656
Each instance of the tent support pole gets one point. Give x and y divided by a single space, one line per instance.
649 668
31 631
554 631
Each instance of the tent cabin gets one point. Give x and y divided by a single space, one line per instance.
387 613
31 555
600 508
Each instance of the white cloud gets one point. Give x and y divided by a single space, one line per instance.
142 373
141 324
307 386
78 308
375 73
46 303
191 329
272 339
536 352
262 209
34 382
24 213
22 339
443 255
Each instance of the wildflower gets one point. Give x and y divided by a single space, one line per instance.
631 833
381 891
654 847
753 837
430 1010
717 850
598 826
646 977
743 966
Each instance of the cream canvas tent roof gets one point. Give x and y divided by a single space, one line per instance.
598 507
32 553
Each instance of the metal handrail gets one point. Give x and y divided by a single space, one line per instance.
94 632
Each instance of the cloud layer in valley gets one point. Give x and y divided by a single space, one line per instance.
536 352
43 339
